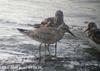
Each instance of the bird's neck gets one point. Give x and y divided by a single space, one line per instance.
59 20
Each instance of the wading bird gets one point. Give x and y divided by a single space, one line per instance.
93 34
46 35
55 21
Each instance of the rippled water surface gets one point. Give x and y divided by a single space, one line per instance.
20 53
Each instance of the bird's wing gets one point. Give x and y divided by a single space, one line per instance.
45 33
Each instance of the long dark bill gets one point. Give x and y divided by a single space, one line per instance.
24 31
70 32
86 29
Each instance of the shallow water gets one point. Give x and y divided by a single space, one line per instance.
18 52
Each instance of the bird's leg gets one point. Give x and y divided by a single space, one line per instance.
45 48
48 49
40 51
55 49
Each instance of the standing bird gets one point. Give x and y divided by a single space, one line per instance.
55 21
93 34
46 35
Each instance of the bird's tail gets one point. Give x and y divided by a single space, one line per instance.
24 31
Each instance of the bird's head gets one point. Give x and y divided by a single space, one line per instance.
59 15
91 26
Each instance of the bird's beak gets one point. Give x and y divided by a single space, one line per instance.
67 29
86 22
87 29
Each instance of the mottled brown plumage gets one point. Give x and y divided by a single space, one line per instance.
55 21
46 35
52 21
93 33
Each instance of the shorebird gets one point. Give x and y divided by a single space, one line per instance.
46 35
93 34
55 21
